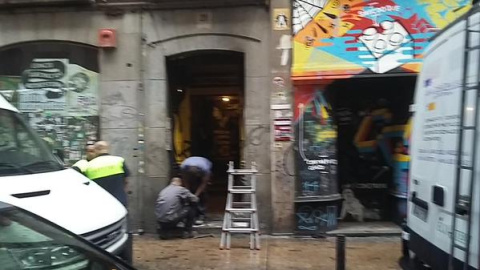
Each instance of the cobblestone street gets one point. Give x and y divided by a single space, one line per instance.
276 253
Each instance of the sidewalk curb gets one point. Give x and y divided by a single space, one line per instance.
366 234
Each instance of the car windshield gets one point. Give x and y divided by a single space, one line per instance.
21 151
28 242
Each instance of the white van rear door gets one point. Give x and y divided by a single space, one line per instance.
435 138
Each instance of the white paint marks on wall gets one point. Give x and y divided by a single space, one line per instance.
285 45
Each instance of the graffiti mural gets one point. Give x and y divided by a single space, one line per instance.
316 136
342 38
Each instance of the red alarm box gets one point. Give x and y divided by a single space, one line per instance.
107 38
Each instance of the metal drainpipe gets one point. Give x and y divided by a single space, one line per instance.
141 127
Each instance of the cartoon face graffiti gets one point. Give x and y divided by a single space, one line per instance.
346 37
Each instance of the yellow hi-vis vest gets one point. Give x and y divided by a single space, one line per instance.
104 166
82 165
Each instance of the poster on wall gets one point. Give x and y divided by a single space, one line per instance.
351 37
54 85
281 19
57 96
316 135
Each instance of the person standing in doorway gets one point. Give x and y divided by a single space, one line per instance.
196 173
81 165
108 171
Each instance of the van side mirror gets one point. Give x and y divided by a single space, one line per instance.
59 153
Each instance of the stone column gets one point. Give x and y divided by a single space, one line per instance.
281 113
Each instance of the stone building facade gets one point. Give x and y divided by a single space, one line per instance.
133 81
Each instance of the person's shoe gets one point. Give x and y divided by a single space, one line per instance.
198 222
187 235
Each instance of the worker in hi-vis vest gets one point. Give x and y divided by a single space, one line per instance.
81 165
110 172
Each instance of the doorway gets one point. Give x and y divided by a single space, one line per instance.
372 117
206 104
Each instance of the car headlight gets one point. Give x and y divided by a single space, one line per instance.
46 257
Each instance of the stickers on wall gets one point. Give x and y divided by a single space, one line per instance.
281 19
279 82
282 123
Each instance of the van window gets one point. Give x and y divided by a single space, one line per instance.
27 242
21 151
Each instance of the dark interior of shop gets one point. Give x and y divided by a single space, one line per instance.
371 115
206 108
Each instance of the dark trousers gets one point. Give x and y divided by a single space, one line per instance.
187 215
193 185
201 208
193 180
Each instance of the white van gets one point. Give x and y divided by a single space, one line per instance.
434 151
32 178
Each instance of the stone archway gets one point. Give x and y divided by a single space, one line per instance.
256 113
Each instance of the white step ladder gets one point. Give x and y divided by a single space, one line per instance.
241 212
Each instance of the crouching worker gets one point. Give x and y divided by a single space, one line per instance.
175 204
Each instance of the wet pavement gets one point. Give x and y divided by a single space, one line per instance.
366 253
